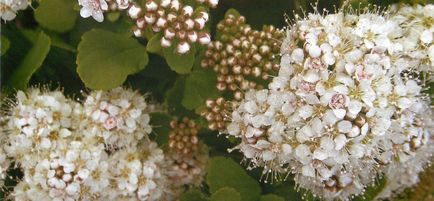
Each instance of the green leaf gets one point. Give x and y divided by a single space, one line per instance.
160 125
226 194
271 197
57 15
105 59
224 172
181 64
154 45
113 16
31 62
193 195
5 44
372 191
199 86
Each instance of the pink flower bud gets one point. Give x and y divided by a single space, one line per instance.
183 47
165 42
134 11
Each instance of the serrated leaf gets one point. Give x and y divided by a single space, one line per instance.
5 44
154 45
181 64
105 59
193 195
226 194
271 197
160 126
57 15
224 172
31 62
199 86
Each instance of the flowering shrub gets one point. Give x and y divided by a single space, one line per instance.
182 100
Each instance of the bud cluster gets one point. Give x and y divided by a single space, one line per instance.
210 3
217 113
187 157
183 136
242 57
180 25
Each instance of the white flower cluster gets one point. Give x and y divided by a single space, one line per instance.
119 116
96 150
9 8
177 22
96 8
345 106
418 35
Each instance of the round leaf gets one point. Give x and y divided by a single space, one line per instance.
181 64
193 195
226 194
57 15
224 172
154 45
105 59
199 86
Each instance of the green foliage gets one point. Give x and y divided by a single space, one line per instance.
181 64
32 61
56 15
105 59
154 44
199 86
224 172
226 194
161 128
193 195
271 197
5 44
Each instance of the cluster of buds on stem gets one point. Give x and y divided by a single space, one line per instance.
217 113
180 25
183 136
242 57
187 157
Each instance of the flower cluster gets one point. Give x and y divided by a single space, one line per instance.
9 8
180 25
417 24
242 55
344 107
217 113
186 155
119 116
95 150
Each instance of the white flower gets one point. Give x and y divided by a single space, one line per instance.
9 8
94 8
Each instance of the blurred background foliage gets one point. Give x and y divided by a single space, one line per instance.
57 69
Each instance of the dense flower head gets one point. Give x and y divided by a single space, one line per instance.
343 107
118 116
136 173
9 8
180 25
417 39
97 149
241 55
37 122
217 113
